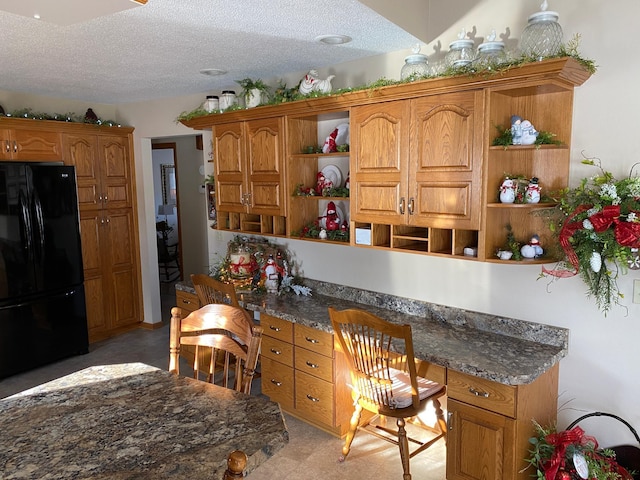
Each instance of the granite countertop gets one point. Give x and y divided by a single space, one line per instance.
504 350
133 421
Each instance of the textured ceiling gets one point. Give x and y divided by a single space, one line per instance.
157 50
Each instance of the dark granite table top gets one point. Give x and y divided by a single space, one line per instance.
133 421
504 350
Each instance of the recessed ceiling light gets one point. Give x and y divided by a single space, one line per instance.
333 39
212 71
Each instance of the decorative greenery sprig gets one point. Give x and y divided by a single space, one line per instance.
59 117
505 138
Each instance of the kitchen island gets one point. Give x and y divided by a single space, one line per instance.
133 421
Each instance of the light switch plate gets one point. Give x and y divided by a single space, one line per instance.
636 291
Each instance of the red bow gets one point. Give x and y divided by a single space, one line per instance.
605 218
628 233
235 267
561 441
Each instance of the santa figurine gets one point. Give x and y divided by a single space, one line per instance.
333 221
322 183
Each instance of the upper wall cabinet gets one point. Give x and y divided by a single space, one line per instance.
423 172
249 175
29 144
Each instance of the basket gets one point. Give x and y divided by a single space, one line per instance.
627 456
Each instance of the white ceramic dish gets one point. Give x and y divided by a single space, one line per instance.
333 173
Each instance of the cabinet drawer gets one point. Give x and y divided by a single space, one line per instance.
187 301
277 350
277 382
313 339
277 328
314 398
314 364
486 394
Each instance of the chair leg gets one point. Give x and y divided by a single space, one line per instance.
353 428
403 443
441 420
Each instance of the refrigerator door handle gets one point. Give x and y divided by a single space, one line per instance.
26 222
37 207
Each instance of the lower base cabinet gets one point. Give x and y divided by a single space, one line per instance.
490 425
302 370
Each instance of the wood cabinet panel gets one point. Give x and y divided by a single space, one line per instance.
30 144
277 328
82 152
313 339
485 394
314 398
277 350
187 301
314 364
277 381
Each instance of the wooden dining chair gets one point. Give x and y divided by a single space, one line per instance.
230 336
210 290
385 381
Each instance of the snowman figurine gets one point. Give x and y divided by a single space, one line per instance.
533 248
508 191
532 195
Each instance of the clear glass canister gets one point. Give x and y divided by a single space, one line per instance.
542 37
415 66
490 54
227 98
460 53
211 104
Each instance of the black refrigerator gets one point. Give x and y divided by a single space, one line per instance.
42 304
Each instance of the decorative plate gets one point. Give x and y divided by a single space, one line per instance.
332 173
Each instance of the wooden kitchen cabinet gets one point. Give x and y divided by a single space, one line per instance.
109 232
187 301
29 144
490 424
417 168
303 372
249 168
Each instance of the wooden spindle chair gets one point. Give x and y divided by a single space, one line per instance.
210 290
223 329
385 381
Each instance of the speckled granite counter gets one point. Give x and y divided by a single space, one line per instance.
504 350
133 421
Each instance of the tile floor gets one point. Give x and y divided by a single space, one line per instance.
311 453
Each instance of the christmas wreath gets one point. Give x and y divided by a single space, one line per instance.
598 227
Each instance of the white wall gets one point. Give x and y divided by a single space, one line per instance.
602 369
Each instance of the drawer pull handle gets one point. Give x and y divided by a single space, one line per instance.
187 302
276 383
450 420
313 399
274 328
312 365
479 393
311 340
276 352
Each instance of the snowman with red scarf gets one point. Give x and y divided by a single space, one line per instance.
333 221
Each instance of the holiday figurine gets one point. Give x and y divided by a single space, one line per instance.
532 195
332 220
508 191
516 129
322 183
533 248
522 131
271 274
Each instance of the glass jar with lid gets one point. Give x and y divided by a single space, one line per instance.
460 52
490 53
415 66
211 104
542 37
227 99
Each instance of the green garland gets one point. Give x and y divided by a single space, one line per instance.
59 117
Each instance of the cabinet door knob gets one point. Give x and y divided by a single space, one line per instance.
479 393
411 205
15 146
186 302
313 399
7 146
402 206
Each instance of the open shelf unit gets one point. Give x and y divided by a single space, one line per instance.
302 170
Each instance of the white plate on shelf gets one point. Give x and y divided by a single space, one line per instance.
323 218
333 173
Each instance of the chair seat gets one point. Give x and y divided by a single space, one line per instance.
402 388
